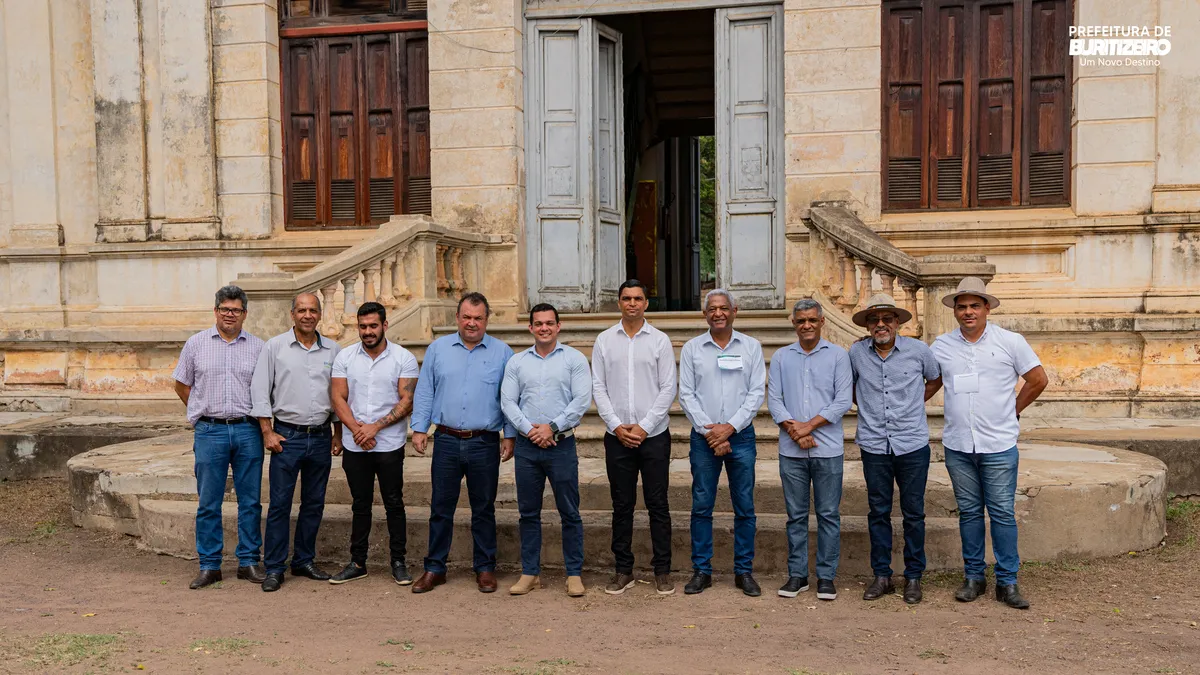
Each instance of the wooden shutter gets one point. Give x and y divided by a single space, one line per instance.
997 99
418 191
948 71
300 119
903 106
382 147
1048 104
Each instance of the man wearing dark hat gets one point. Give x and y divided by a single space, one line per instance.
893 377
981 363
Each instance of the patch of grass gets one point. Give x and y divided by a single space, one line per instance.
385 664
932 653
544 667
68 649
556 662
223 645
1165 669
405 645
1181 508
46 528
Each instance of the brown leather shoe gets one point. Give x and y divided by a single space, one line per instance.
254 574
427 581
206 578
486 581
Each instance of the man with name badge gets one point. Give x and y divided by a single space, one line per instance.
546 391
291 402
981 363
722 381
459 391
893 377
809 390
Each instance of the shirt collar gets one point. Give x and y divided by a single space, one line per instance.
707 338
296 340
558 347
822 344
458 340
987 327
644 329
213 332
387 349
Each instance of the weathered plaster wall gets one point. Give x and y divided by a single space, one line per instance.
1177 183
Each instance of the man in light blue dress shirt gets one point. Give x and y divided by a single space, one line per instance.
722 378
546 391
459 391
810 389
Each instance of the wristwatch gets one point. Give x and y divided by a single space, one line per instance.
554 427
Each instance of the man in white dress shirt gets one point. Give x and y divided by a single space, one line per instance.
633 382
373 385
722 382
980 365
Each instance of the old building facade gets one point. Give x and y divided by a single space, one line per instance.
153 150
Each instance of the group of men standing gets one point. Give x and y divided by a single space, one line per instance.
305 400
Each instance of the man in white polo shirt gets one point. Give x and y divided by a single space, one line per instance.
980 365
373 385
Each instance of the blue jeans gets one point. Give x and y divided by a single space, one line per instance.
217 447
824 474
706 469
910 472
478 459
306 456
560 464
986 480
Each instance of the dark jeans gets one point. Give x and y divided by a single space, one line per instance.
560 464
910 472
306 456
362 468
478 459
218 447
822 478
986 480
653 460
706 470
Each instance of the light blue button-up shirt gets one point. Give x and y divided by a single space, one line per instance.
891 395
721 386
803 385
537 390
460 388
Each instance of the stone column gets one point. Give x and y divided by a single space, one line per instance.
120 121
940 275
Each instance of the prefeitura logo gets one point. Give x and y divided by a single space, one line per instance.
1120 41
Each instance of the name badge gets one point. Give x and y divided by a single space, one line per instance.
966 383
729 362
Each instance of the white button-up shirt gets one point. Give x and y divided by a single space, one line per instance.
721 386
633 379
374 386
981 380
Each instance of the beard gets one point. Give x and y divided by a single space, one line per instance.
881 341
371 340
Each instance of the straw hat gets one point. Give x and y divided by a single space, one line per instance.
971 286
877 302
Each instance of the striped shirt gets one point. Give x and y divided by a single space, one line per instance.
219 374
891 395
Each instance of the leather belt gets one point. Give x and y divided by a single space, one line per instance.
231 420
565 433
307 429
463 433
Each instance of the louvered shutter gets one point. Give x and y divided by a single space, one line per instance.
903 111
996 155
1048 104
948 171
301 117
416 114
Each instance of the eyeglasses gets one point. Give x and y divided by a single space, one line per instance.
230 311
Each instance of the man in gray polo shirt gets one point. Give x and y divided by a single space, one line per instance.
893 377
291 388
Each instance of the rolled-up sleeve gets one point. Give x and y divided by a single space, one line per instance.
843 390
666 386
745 414
775 394
260 384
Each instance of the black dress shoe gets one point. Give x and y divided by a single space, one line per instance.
748 585
880 587
1010 596
971 589
252 573
273 581
206 578
912 591
311 571
698 583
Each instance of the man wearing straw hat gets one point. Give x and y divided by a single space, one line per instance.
893 377
981 363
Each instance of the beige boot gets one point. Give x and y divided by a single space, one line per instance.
526 583
575 587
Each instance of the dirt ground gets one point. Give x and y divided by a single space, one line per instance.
80 601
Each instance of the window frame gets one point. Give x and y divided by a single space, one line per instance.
320 17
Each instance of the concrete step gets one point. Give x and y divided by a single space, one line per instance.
169 527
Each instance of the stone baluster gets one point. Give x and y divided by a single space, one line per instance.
400 276
865 270
849 288
443 284
831 266
910 286
888 280
330 326
370 287
458 277
387 270
349 305
837 268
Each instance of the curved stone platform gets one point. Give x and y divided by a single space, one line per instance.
1073 501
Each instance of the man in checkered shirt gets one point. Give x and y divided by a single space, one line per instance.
213 379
